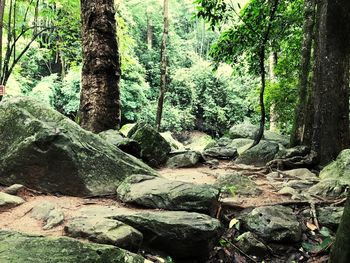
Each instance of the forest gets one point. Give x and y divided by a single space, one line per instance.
184 131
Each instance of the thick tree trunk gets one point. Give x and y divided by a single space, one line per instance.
299 134
99 102
331 81
341 248
163 65
272 77
2 11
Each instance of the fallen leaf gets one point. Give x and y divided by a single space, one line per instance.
233 222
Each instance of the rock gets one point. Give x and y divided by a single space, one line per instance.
44 150
236 183
174 144
16 248
154 148
105 231
335 177
299 185
184 159
330 216
276 137
213 164
243 130
302 174
123 143
274 223
198 141
259 155
13 189
251 245
292 152
177 233
156 192
48 213
290 191
241 144
126 128
9 201
220 150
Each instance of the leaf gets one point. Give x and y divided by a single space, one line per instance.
325 232
311 226
233 222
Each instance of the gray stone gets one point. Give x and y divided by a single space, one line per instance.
120 141
335 177
243 130
105 231
154 148
178 233
174 144
44 150
221 152
236 183
274 223
276 137
13 189
48 213
9 201
18 248
184 159
259 155
292 152
330 216
250 244
156 192
241 144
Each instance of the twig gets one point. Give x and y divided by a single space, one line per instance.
314 214
242 252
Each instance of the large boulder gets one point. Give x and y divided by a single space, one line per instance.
276 137
9 201
181 159
335 177
120 141
156 192
241 144
43 150
178 233
154 148
104 231
17 248
243 130
174 144
260 154
274 223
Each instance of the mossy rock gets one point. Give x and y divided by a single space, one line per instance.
154 148
43 150
19 248
243 130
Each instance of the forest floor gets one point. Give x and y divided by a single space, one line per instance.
19 218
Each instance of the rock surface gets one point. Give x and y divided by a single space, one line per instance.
105 231
181 234
17 248
236 183
44 150
120 141
154 148
260 154
274 223
13 189
221 150
156 192
330 216
184 159
251 245
9 201
243 130
276 137
49 214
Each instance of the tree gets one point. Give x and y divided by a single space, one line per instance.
330 103
163 64
99 102
299 133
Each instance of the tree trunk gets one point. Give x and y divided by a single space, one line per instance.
163 65
99 101
341 248
298 133
331 81
2 11
149 30
272 77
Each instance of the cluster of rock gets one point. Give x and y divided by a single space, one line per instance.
45 151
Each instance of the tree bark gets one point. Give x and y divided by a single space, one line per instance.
331 81
149 30
299 134
340 252
99 101
163 65
272 77
2 11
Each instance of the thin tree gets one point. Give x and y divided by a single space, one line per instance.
163 64
99 101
